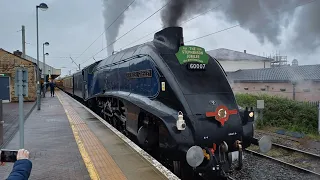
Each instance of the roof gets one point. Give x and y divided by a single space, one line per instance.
17 56
287 73
231 55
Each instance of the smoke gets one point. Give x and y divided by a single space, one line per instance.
177 11
307 28
112 9
266 19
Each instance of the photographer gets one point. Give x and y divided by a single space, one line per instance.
22 167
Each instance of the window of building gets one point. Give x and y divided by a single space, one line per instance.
306 90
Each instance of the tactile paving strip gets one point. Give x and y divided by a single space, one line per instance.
99 163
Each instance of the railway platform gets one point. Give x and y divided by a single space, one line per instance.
67 140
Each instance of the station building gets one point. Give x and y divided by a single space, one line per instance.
9 62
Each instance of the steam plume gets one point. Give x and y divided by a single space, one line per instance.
112 9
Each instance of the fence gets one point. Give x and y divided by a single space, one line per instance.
311 103
315 104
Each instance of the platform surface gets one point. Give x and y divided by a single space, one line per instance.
67 141
11 118
53 150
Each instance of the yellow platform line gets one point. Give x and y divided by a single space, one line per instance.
85 156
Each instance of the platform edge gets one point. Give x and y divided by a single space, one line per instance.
167 173
85 156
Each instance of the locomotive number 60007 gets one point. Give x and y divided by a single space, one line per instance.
196 66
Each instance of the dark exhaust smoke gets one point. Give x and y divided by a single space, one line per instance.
179 10
266 19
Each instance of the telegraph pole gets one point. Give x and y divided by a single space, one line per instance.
23 42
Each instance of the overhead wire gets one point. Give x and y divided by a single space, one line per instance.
129 31
213 33
240 24
201 14
106 29
228 28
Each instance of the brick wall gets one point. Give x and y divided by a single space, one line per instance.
305 90
8 65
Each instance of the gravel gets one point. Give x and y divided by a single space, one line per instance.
260 168
311 146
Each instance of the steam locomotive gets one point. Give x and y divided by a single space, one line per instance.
172 98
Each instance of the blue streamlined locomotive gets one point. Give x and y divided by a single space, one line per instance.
175 99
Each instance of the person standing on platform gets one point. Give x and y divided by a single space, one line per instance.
52 86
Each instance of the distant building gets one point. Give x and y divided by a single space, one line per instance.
301 83
232 60
49 69
279 60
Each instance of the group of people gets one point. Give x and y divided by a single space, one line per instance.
22 167
51 84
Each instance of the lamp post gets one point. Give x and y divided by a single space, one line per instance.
43 7
44 75
44 68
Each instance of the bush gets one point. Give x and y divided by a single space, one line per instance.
284 113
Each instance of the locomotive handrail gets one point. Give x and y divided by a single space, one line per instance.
122 60
220 65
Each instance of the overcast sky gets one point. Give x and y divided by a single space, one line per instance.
71 26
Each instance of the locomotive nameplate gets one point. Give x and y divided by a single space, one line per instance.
140 74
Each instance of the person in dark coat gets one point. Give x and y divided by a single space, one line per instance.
52 85
22 167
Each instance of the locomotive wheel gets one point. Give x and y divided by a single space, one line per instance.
177 168
182 170
114 122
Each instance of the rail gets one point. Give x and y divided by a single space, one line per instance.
306 156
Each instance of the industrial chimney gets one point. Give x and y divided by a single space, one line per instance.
17 53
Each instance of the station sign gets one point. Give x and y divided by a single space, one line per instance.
21 81
260 104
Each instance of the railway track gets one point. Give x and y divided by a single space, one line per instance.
277 157
294 158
